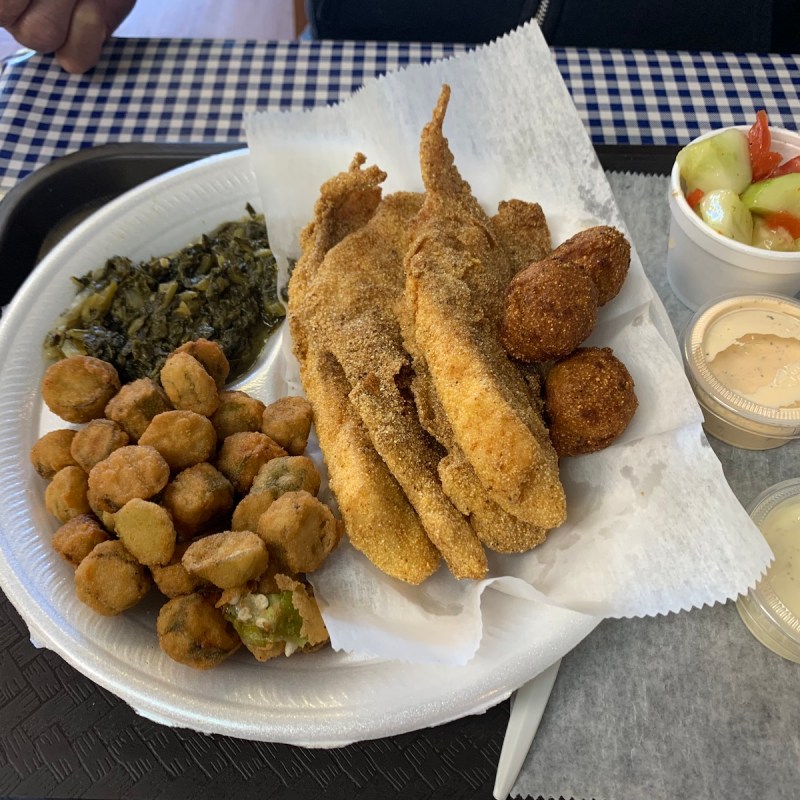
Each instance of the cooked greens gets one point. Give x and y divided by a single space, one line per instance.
223 288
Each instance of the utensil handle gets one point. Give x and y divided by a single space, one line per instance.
526 714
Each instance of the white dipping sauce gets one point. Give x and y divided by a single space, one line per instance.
781 529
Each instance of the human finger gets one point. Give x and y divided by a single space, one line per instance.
11 11
43 25
93 21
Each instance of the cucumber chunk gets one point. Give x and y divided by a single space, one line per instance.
774 195
719 162
723 211
769 238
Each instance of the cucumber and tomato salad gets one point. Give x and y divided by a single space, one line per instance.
742 188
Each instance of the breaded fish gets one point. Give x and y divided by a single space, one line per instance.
456 272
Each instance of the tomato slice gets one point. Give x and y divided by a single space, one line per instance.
762 160
792 165
783 219
694 197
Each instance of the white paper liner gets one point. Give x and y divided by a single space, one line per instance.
652 525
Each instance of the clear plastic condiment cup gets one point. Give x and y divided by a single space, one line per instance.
759 420
703 264
771 609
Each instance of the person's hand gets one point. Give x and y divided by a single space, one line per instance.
72 29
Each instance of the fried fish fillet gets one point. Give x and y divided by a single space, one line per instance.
456 272
348 306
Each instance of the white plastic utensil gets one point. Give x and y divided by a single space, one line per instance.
526 713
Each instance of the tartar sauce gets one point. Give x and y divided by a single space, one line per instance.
781 529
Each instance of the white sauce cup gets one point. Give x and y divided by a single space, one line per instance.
703 264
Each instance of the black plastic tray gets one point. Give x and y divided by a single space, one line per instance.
39 211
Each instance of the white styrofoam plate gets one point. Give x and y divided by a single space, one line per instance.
322 699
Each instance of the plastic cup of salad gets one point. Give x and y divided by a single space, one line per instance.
734 199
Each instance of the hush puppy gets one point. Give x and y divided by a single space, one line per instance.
110 580
78 388
589 401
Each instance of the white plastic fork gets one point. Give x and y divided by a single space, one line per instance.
526 713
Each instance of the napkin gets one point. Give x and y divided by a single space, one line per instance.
652 524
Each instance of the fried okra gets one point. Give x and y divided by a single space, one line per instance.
78 388
173 579
243 454
249 509
299 531
147 531
237 412
188 385
183 438
66 495
288 422
196 498
287 474
589 401
75 539
110 580
211 356
52 452
131 471
97 441
135 405
193 632
227 559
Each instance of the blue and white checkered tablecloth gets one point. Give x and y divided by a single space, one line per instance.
199 90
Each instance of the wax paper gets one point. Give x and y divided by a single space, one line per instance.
652 524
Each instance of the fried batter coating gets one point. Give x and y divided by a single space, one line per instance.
550 308
193 632
243 454
288 422
183 438
110 580
589 399
249 509
75 539
603 253
188 384
299 531
522 230
66 495
52 452
147 531
197 498
135 404
237 412
227 559
77 388
98 440
173 579
211 355
287 474
131 471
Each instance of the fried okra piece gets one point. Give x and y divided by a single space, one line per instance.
188 385
287 474
237 412
135 405
193 632
106 517
75 539
250 508
589 401
270 623
98 440
299 531
66 495
211 355
173 579
147 531
184 438
52 452
243 454
288 422
131 471
78 388
196 498
227 559
110 580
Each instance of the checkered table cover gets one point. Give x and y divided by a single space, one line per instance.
199 90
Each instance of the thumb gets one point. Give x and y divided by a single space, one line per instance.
92 22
